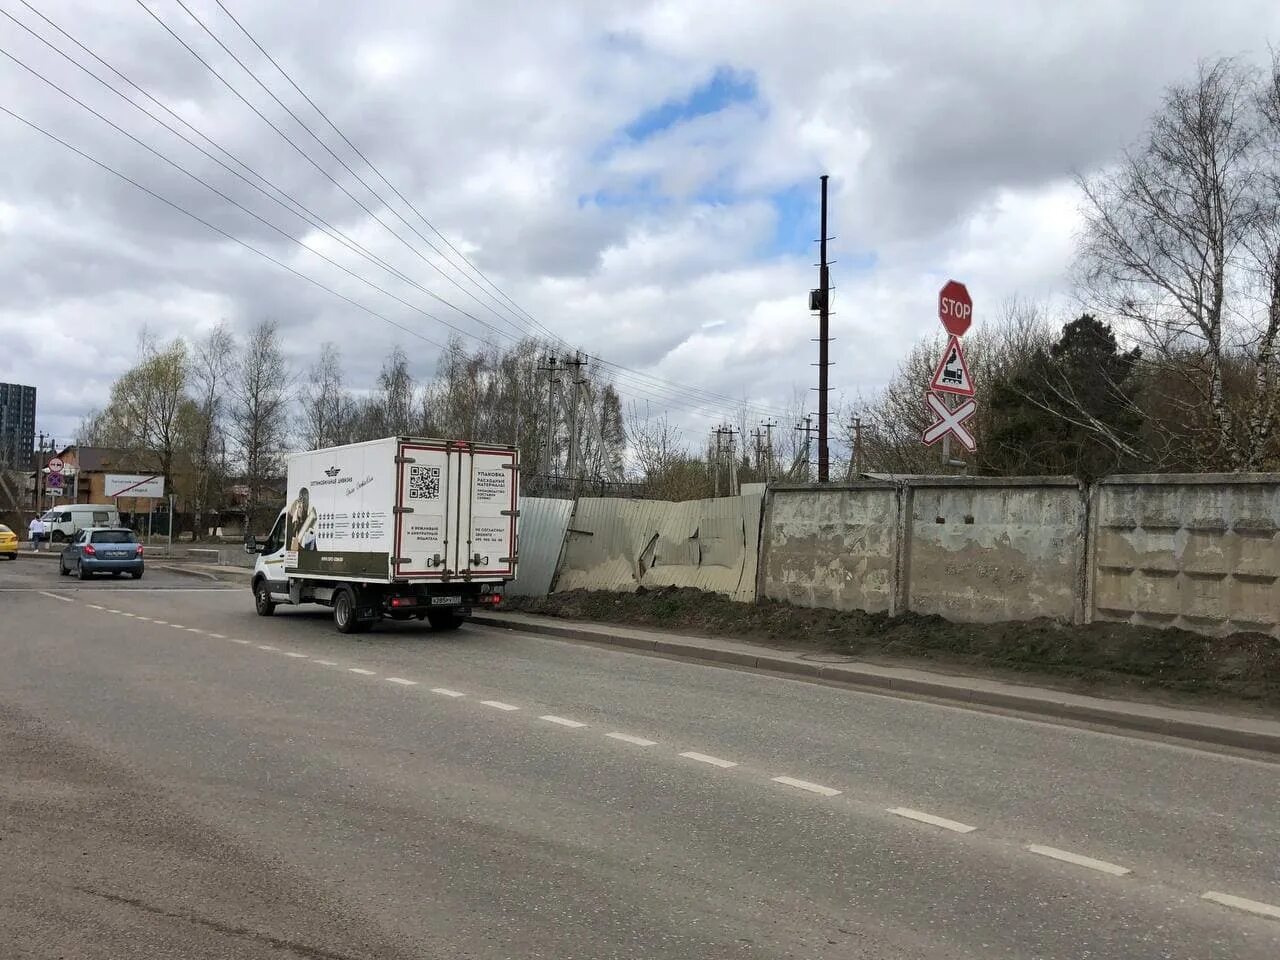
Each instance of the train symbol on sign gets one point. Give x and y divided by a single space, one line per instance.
952 374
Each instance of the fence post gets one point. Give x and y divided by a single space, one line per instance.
900 595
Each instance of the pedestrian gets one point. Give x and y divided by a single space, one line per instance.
37 531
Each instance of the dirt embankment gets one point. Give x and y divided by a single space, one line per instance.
1096 657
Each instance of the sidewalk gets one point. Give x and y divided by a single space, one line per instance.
1202 726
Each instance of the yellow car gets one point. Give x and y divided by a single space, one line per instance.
8 543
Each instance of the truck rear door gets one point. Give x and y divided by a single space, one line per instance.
487 514
427 491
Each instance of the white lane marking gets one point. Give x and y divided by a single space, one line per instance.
943 822
178 626
628 738
806 785
126 613
54 596
163 623
704 758
1240 903
498 705
94 606
193 630
445 692
323 663
562 721
217 636
1067 857
361 670
402 681
267 646
296 656
109 609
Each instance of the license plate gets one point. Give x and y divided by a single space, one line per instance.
446 601
117 555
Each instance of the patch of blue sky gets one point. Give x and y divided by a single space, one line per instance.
726 88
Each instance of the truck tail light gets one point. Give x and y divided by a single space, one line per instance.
402 601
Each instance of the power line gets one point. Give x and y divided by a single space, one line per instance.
657 381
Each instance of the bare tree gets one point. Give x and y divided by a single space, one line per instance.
1176 238
326 405
211 363
260 390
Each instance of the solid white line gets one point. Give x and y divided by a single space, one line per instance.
402 681
628 738
361 671
806 785
714 761
1066 857
325 663
54 596
267 646
1240 903
296 656
446 692
929 818
498 705
562 721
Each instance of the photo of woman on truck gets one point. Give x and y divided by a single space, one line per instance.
302 522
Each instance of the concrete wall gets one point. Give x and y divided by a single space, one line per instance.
832 546
1199 551
615 544
982 549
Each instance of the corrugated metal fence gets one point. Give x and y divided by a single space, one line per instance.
542 525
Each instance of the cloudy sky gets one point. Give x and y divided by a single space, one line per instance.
641 178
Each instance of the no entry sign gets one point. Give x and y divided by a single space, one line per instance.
955 308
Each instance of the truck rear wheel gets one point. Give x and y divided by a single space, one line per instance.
444 620
344 611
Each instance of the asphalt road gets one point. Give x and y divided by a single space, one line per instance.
181 778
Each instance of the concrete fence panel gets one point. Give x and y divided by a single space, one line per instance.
832 546
983 549
1199 551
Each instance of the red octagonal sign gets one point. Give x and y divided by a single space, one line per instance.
955 309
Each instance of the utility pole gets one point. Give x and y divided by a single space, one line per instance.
757 435
823 298
808 430
733 462
40 476
855 460
573 468
719 434
768 449
552 383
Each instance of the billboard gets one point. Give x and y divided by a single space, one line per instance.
133 485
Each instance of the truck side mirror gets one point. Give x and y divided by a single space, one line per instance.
251 543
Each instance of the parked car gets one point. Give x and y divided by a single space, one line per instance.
8 543
65 523
102 550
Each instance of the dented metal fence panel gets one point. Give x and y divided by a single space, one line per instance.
540 540
620 545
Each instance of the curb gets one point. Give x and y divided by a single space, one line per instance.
1184 728
178 569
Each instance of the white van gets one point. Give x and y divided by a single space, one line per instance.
63 523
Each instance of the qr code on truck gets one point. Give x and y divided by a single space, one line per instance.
424 483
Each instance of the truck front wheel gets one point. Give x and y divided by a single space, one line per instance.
444 620
262 601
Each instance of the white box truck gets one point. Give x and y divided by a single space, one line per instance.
401 528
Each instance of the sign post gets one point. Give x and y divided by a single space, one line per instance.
951 377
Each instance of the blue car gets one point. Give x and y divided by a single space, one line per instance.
102 550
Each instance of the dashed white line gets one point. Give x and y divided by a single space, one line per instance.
953 825
325 663
54 596
445 692
178 626
1067 857
402 681
704 758
628 738
1240 903
361 670
94 606
562 721
499 705
193 630
163 623
126 613
296 656
267 646
108 609
242 642
217 636
806 785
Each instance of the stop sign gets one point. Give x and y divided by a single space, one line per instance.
955 309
